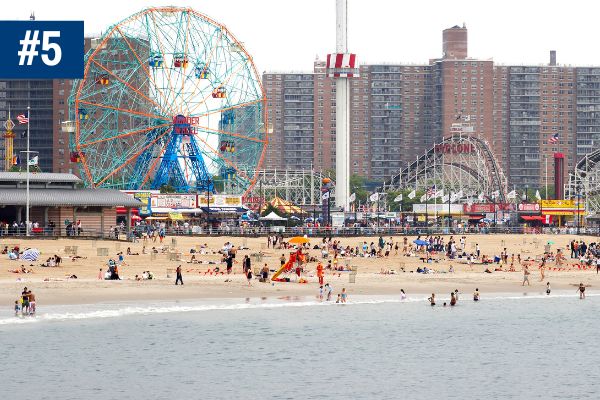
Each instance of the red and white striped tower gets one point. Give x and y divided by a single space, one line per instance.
342 66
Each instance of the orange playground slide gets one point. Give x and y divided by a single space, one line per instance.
287 267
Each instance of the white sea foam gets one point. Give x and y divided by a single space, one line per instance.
116 310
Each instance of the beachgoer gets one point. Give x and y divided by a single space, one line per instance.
17 308
339 298
329 290
344 295
526 276
25 297
452 299
179 277
402 294
581 290
432 299
249 276
456 294
548 288
100 275
476 295
31 303
321 293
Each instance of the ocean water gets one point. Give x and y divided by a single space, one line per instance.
504 347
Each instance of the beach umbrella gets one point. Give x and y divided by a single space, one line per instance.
299 240
30 255
420 242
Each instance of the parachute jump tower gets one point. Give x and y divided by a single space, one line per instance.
342 66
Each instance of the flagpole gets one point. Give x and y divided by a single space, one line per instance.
27 184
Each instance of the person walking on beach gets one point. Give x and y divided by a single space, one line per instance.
179 277
249 276
543 269
329 289
456 294
402 294
25 297
31 303
548 288
478 250
526 276
17 307
344 295
476 295
581 290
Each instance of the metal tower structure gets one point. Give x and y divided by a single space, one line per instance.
301 187
341 66
9 137
584 183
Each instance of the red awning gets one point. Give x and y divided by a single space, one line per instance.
533 218
476 217
123 211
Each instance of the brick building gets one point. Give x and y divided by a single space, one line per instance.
400 110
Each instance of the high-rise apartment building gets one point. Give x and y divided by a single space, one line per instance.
399 111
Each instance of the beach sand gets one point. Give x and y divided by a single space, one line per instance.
57 289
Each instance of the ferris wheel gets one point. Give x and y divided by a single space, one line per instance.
169 97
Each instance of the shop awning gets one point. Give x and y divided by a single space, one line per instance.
533 218
224 210
477 217
166 210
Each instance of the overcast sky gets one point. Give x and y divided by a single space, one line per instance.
285 35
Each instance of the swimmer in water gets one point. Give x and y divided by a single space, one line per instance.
452 299
548 288
476 295
402 294
581 290
432 299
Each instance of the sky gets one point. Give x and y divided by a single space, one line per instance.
282 35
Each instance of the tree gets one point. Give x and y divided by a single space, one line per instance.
19 168
167 189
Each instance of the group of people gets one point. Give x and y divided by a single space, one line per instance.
25 305
453 298
326 293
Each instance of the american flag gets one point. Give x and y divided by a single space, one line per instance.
553 139
431 191
23 119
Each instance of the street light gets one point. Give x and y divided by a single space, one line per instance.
579 191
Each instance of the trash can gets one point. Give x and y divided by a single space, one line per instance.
352 275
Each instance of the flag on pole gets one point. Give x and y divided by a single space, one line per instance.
412 194
34 160
23 119
398 198
424 197
445 198
439 193
512 195
352 198
430 192
374 197
553 139
325 196
537 195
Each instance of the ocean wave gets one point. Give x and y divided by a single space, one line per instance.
119 310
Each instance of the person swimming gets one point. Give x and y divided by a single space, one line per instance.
476 295
452 299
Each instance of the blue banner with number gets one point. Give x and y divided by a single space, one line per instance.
41 49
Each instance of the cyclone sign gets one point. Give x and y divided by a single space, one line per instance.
41 49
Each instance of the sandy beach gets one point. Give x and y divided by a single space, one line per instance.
52 285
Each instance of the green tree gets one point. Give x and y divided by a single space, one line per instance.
167 189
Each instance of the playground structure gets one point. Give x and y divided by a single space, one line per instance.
296 260
169 97
458 164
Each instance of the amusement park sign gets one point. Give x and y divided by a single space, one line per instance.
454 148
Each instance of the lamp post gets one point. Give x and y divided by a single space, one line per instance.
526 193
577 210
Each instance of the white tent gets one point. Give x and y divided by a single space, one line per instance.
272 217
